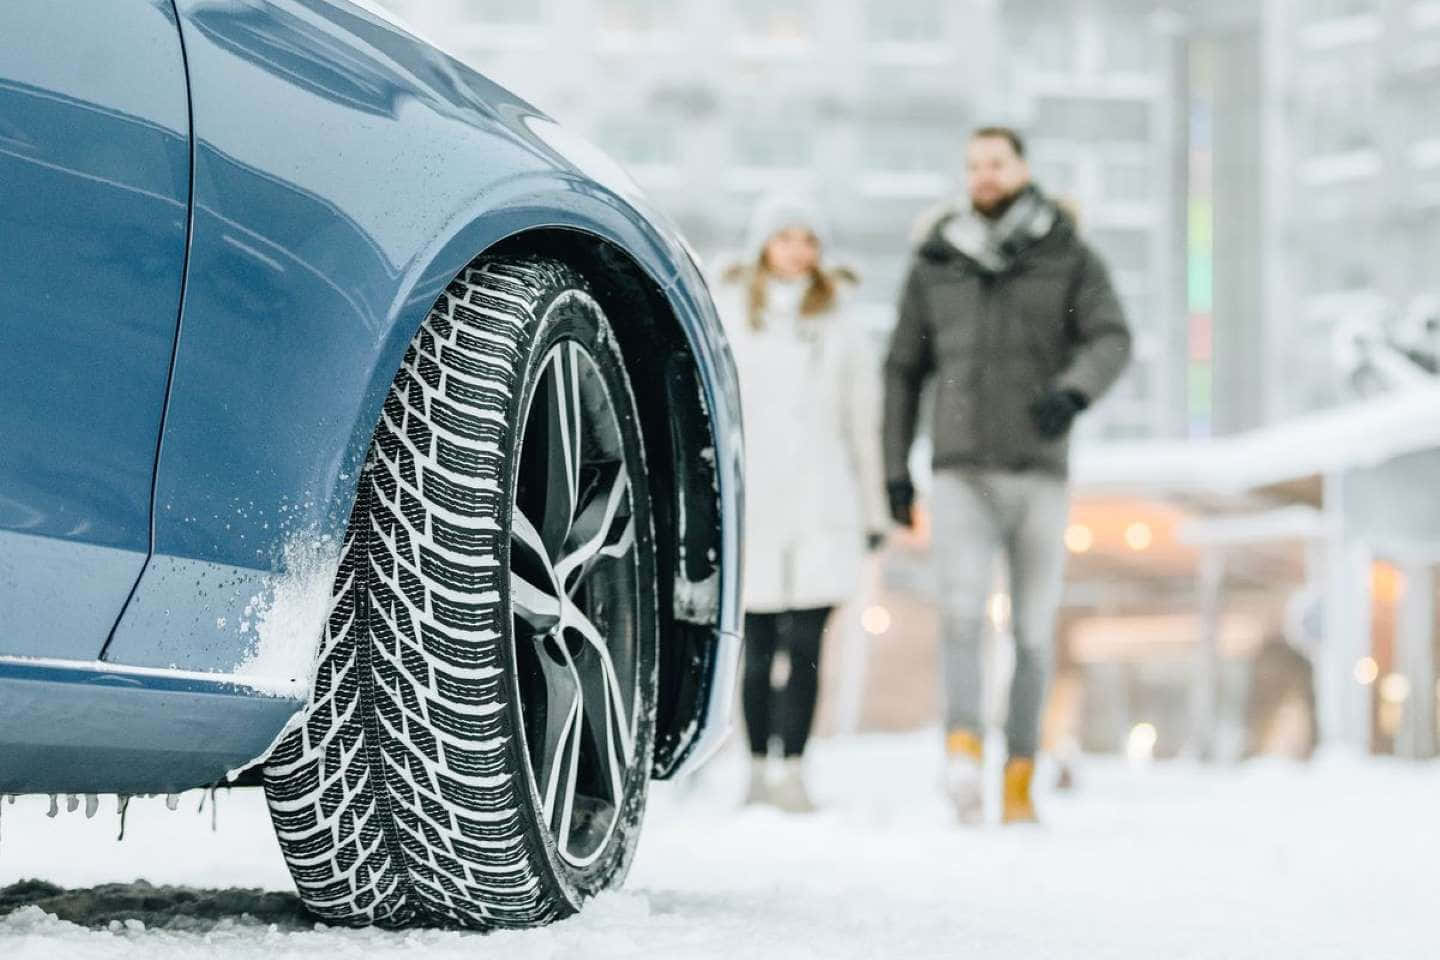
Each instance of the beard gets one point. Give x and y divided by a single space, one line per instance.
995 209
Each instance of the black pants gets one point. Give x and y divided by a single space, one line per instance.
786 712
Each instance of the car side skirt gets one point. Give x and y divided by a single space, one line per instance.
93 727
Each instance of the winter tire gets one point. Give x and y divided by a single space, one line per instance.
477 746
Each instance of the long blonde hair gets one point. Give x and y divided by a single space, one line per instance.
819 297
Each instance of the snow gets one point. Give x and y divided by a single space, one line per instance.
1267 860
1352 437
289 618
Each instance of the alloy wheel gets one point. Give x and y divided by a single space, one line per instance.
574 596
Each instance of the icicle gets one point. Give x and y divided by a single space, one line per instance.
92 803
72 803
172 800
54 806
212 809
122 802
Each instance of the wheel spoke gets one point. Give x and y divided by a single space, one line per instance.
616 711
599 713
597 529
560 748
536 603
572 765
563 414
539 609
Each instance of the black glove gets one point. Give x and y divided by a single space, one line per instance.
1054 412
902 498
874 540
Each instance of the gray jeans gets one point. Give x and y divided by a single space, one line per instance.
978 513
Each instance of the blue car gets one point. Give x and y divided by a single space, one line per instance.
364 435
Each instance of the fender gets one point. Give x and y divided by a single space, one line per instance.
308 275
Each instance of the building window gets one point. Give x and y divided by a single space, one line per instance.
639 144
1425 14
1427 113
1125 181
1055 175
774 26
1335 129
902 161
1340 256
772 146
636 18
1338 104
1321 10
908 22
1092 120
907 150
508 13
493 25
1328 25
1126 251
1126 41
1043 32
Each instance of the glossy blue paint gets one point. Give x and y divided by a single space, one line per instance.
343 173
94 187
310 272
85 729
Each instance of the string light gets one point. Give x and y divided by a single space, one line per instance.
1140 745
1395 688
1079 538
876 620
1139 536
1366 671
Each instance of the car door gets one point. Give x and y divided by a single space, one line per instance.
94 215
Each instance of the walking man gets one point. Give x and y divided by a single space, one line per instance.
1015 318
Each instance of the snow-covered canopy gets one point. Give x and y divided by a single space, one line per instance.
1348 438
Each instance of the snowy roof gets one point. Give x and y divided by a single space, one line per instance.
1360 435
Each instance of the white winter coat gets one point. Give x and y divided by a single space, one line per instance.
809 392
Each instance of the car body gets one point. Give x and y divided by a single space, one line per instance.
221 222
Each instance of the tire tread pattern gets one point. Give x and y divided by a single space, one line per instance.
398 798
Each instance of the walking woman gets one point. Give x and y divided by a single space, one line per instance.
814 490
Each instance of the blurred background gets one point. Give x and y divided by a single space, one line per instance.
1255 533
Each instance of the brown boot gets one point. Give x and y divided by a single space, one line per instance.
1018 807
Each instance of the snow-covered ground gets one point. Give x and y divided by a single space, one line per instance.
1339 859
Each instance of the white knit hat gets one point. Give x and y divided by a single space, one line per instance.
776 212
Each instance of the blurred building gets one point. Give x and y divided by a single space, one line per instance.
1263 177
1354 148
866 104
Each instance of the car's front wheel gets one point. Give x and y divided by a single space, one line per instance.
477 746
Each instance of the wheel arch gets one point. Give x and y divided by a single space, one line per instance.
680 439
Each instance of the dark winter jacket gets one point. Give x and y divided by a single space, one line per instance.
995 342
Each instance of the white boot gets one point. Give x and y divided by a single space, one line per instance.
790 794
964 785
759 790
